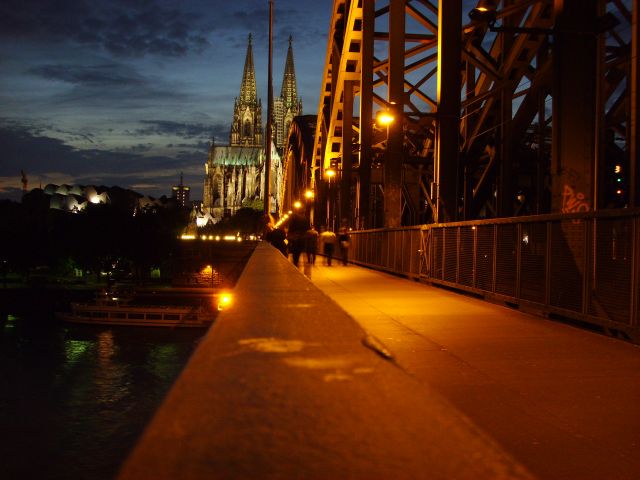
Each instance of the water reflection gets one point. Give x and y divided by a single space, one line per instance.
79 396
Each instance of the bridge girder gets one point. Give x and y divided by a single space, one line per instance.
508 156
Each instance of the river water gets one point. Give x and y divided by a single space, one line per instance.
74 398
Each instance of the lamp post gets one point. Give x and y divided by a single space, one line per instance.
330 173
309 197
267 161
385 118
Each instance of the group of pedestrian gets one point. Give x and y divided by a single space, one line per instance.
330 240
303 237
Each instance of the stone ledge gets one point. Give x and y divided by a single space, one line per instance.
283 387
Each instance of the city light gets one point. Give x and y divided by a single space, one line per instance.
224 301
186 236
297 204
330 173
308 194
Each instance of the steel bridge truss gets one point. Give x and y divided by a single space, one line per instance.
530 110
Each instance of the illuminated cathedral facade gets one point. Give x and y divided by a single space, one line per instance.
234 173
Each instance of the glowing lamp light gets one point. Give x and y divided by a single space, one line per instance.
330 173
186 236
384 118
617 169
308 194
297 204
229 237
224 301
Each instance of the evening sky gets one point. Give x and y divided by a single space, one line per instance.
130 92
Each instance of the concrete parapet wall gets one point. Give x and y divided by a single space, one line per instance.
283 386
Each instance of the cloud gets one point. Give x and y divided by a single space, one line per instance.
126 29
166 127
105 75
108 86
50 160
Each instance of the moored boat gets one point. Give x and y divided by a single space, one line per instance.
118 313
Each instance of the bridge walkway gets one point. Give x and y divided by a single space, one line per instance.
561 400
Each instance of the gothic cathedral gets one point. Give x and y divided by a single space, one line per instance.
233 173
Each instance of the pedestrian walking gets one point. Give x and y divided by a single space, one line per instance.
278 238
329 241
344 241
311 245
297 236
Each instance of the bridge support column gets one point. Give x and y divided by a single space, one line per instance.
393 158
446 163
634 124
346 213
366 114
574 106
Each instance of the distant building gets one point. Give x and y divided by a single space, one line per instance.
234 174
74 198
181 194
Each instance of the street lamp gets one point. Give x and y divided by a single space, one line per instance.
330 173
309 196
384 118
392 177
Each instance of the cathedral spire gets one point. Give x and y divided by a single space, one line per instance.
248 93
289 92
246 127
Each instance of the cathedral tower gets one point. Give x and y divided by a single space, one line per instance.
234 173
288 104
246 128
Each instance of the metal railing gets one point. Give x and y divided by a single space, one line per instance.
580 266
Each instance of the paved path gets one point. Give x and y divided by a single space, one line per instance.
562 401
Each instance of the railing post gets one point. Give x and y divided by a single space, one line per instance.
585 264
635 273
547 267
495 258
474 280
458 234
518 259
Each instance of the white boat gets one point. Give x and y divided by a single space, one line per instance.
116 312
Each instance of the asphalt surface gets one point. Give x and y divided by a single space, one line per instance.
358 374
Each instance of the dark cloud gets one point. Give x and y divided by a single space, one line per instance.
23 150
108 85
128 29
199 146
166 127
40 155
139 148
106 75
